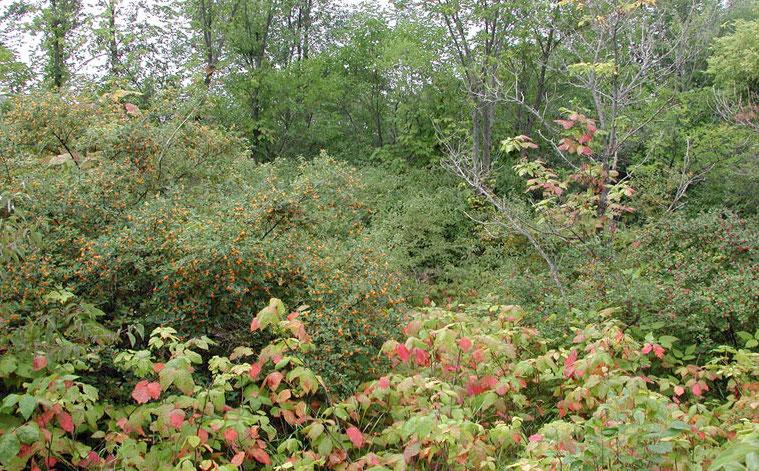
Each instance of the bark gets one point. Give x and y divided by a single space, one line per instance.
113 47
58 42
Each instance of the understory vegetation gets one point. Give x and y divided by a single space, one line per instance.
302 234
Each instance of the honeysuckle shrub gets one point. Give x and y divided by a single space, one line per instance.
470 388
156 219
206 268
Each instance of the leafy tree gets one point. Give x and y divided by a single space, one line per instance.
735 61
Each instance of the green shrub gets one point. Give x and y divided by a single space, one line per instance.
472 388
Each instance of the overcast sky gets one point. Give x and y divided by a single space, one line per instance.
26 46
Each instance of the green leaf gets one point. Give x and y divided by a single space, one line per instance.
666 341
8 365
325 446
26 405
193 441
28 433
9 447
183 381
660 448
315 431
10 401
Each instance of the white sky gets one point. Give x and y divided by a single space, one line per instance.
26 45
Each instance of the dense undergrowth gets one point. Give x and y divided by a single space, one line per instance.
470 388
402 178
134 262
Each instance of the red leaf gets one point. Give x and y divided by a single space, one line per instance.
566 124
238 459
255 370
696 390
356 437
488 382
679 390
176 418
255 325
39 362
421 357
230 435
261 456
585 138
659 351
123 424
571 358
536 438
402 352
131 109
465 344
384 382
144 391
478 355
647 348
65 421
158 367
92 459
274 379
474 386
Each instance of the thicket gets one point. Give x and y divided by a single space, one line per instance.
472 388
594 162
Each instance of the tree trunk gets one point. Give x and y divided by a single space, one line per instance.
57 45
113 48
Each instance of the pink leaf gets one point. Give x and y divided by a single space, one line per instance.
92 459
274 379
176 418
478 355
154 389
488 382
230 435
123 424
679 390
696 390
356 437
255 325
144 391
647 349
402 352
571 358
659 351
65 421
421 357
383 382
131 109
465 344
536 438
238 459
261 456
255 370
39 362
